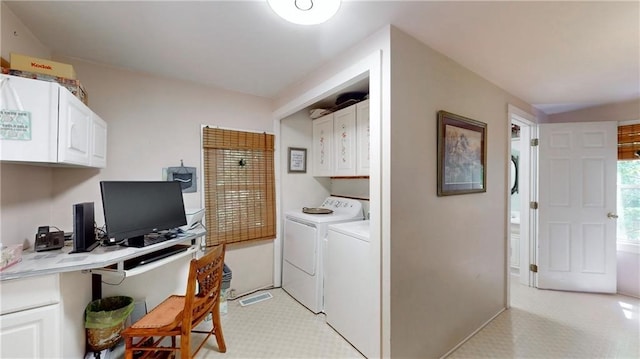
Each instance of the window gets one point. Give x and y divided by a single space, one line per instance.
629 201
239 185
629 184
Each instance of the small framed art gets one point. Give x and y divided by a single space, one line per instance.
297 160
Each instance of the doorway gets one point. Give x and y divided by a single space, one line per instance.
522 218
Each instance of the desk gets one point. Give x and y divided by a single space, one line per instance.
60 260
46 292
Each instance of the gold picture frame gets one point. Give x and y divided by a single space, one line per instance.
462 155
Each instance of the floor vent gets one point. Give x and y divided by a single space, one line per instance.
255 299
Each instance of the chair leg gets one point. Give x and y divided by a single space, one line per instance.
217 327
128 348
173 353
185 345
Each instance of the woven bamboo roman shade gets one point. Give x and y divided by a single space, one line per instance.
628 142
239 186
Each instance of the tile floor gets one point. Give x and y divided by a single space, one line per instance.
553 324
540 324
277 328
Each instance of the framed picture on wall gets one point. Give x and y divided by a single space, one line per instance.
297 160
462 155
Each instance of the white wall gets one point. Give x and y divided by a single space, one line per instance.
15 37
23 189
25 202
628 281
620 111
448 254
299 189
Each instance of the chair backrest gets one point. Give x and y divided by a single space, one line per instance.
205 273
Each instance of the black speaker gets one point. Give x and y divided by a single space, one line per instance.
84 234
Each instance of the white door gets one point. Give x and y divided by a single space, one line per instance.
577 237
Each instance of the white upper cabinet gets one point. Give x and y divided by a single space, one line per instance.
74 130
344 135
99 137
33 138
364 141
341 142
323 146
52 126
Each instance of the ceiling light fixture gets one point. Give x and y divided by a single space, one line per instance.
305 12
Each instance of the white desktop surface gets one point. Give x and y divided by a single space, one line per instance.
60 260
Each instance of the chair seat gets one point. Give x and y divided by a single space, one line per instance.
167 314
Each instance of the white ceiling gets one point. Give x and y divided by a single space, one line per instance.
555 55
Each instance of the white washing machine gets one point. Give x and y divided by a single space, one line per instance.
305 241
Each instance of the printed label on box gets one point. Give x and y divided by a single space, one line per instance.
34 64
15 125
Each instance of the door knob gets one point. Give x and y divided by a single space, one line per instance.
612 215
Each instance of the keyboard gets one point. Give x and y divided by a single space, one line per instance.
154 256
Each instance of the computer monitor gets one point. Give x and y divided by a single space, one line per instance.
133 209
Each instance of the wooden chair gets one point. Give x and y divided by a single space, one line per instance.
178 315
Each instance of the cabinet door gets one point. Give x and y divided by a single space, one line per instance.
98 142
74 130
33 333
364 142
344 129
515 250
323 146
38 142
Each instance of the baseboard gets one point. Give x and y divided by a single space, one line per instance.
472 334
633 295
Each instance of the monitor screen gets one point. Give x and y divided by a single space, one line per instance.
135 208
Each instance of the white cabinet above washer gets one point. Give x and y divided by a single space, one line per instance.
341 142
56 127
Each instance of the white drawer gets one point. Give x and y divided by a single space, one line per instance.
31 292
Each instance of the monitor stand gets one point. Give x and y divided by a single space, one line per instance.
135 242
88 249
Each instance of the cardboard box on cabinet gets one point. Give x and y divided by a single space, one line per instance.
74 86
42 66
